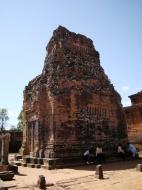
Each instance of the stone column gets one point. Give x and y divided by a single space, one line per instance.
36 139
32 139
5 138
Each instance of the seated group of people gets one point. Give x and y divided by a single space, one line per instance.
131 150
89 155
99 155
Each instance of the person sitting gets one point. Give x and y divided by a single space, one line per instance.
89 156
132 150
121 151
86 156
99 154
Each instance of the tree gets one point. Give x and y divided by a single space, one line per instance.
3 118
13 128
20 121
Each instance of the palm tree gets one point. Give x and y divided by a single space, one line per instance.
3 118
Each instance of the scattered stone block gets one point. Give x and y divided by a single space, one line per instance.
139 167
4 188
41 183
99 172
6 175
13 168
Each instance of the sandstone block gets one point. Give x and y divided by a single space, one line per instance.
99 172
41 183
139 167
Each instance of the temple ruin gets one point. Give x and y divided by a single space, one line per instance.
72 105
133 116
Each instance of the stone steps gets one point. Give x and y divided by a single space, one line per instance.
66 163
33 165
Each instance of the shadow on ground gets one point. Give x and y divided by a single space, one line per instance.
121 165
21 174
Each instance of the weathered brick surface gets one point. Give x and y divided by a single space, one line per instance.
72 104
133 116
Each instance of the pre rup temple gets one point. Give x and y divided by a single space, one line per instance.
72 105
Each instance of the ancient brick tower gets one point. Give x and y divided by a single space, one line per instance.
72 104
133 116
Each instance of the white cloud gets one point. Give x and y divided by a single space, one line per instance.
125 88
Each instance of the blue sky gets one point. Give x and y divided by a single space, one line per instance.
115 26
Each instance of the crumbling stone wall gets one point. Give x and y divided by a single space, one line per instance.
133 116
72 104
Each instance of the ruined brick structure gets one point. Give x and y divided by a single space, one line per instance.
72 104
133 116
15 140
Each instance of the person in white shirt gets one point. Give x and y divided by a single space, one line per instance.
99 154
86 156
121 151
89 156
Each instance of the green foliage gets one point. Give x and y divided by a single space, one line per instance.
13 128
3 118
20 122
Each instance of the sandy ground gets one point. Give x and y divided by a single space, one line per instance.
117 176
